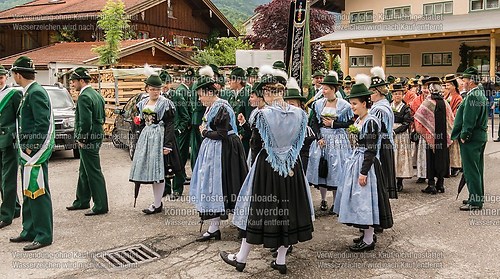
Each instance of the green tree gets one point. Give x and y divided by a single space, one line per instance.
113 20
222 53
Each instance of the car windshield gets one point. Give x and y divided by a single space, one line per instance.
60 98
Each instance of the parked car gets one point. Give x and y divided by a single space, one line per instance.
125 132
64 118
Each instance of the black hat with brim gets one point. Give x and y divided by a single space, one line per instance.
238 73
397 87
294 94
431 80
165 77
377 82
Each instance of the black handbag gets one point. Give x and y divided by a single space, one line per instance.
414 137
323 167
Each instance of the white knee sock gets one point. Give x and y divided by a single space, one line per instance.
368 235
214 226
281 258
242 255
158 189
323 191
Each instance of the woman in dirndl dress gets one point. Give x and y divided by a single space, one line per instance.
403 151
363 200
294 97
330 118
452 96
274 207
220 168
381 109
156 151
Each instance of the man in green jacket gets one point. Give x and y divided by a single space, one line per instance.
35 137
182 123
470 128
238 98
197 112
89 120
9 104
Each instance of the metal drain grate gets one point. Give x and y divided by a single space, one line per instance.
126 257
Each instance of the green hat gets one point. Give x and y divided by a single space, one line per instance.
165 77
23 64
359 90
253 73
249 70
318 74
154 81
215 69
391 79
257 89
80 73
279 65
471 73
3 71
203 82
237 73
293 91
330 80
190 73
397 87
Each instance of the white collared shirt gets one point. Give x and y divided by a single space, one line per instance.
25 89
83 88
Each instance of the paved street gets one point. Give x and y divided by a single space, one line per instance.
430 238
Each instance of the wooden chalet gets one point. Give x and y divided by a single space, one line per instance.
179 23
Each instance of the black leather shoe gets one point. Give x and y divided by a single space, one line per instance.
379 230
454 172
19 239
71 208
431 189
359 239
440 189
470 207
497 140
420 180
275 253
225 256
148 211
17 215
324 206
215 235
400 187
362 246
92 213
35 245
4 224
465 202
280 267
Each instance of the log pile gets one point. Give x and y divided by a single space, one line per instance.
127 88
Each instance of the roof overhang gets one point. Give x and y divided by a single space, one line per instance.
336 6
401 32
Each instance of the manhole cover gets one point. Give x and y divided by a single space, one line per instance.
126 257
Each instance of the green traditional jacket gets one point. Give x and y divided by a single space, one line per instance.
8 116
89 116
240 103
471 120
34 118
182 119
197 109
311 93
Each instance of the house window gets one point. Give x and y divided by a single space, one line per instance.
437 59
143 35
442 8
397 13
361 61
479 5
29 41
361 17
178 40
170 10
397 60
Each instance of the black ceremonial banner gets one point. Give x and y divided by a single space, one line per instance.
296 32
